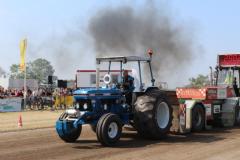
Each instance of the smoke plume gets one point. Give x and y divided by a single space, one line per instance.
67 52
124 30
127 31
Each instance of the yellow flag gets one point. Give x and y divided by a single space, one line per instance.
23 47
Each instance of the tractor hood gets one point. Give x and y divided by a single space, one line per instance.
93 92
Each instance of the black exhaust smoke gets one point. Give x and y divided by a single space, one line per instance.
128 31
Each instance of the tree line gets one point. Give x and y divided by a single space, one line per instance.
38 69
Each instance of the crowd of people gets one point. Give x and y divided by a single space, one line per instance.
36 98
6 93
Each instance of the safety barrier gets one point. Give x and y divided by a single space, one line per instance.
11 104
15 104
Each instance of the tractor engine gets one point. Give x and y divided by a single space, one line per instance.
91 104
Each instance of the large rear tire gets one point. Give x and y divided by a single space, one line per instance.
198 118
153 115
109 129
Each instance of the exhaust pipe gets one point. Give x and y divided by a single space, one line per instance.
211 76
97 77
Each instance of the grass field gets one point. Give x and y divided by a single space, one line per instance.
30 120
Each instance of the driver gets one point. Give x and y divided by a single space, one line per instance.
128 82
128 86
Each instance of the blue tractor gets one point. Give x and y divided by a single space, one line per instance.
107 109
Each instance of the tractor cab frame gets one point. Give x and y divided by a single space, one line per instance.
123 60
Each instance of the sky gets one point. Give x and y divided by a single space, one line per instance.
47 23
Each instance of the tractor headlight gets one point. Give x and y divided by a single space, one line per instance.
77 105
105 106
85 106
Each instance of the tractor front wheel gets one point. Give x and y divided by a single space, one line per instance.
109 129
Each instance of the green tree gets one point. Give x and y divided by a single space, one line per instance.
16 74
39 69
199 81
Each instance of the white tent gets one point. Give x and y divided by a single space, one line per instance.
4 82
19 84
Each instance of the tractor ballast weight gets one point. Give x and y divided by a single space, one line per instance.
106 109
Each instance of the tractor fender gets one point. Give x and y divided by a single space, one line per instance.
150 88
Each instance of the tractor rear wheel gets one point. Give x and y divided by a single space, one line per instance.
109 129
153 115
198 118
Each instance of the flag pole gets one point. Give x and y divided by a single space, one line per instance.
23 68
25 87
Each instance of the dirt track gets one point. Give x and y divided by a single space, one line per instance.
44 144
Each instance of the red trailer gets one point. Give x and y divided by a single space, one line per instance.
214 105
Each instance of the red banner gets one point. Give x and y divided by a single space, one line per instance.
191 93
229 60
